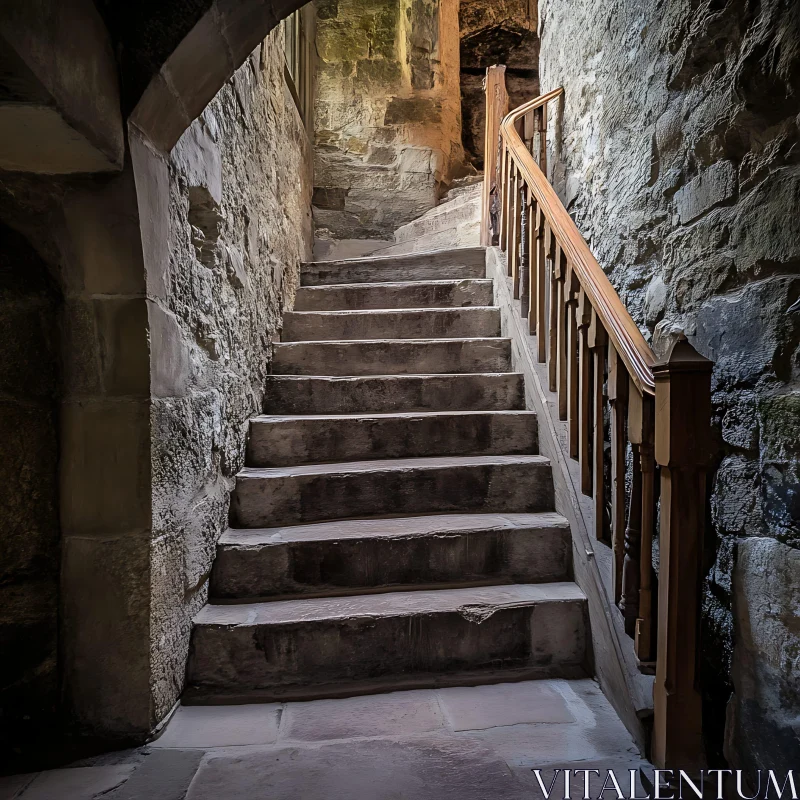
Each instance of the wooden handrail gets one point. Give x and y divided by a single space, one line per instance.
616 320
656 416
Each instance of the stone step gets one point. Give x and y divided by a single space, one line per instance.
440 265
467 234
310 493
460 189
293 394
392 357
411 323
306 647
339 557
413 294
445 217
277 441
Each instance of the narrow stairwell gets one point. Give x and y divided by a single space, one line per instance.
394 526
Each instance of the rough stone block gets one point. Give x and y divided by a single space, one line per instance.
105 472
106 645
766 583
713 187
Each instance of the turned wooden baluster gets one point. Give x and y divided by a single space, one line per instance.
552 336
618 399
645 650
572 287
585 394
682 448
506 206
629 601
561 333
524 251
597 342
541 287
533 286
514 230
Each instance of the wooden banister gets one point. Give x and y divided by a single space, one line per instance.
616 320
638 429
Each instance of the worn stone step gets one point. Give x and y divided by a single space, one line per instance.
411 294
297 394
291 495
440 265
392 357
467 234
277 441
307 646
445 217
346 556
411 323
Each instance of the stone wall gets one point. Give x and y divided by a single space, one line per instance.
388 117
30 537
240 224
676 150
495 32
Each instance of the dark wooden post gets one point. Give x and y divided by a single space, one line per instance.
496 110
682 450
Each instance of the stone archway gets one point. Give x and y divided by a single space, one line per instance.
106 236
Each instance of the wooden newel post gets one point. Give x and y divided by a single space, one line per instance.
682 450
496 111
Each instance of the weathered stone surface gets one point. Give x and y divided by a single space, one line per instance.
428 294
341 557
676 153
766 586
279 441
411 713
393 357
440 323
270 648
481 707
432 769
387 394
238 195
444 265
388 122
281 496
221 726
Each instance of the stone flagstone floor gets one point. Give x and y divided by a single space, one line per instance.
476 743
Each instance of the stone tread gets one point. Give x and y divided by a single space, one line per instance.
389 465
392 528
452 293
380 393
380 324
467 262
475 603
312 438
440 219
463 355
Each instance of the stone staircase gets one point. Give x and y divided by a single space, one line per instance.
394 526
